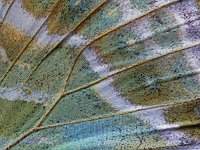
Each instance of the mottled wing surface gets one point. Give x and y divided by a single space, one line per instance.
99 74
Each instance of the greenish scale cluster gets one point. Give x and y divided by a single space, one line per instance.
41 71
74 10
50 75
128 131
81 105
82 74
39 8
107 17
18 116
69 14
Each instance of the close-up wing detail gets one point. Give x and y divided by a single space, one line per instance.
99 74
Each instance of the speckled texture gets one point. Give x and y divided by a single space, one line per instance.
102 74
142 129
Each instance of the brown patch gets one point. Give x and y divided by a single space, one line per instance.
39 8
12 40
198 2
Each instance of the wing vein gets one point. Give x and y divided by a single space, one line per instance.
108 32
133 66
26 46
120 113
62 92
67 36
7 11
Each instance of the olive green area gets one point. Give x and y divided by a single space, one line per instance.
18 116
183 113
50 75
116 51
162 21
161 81
16 76
80 105
82 74
157 82
125 46
69 14
39 8
168 39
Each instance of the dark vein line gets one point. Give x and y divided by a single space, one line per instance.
23 136
62 93
26 46
9 7
57 100
108 32
162 31
94 10
130 67
16 141
39 127
60 96
187 124
167 105
167 79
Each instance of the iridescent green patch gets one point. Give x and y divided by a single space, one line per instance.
139 129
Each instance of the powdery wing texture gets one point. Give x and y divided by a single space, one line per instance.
129 70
